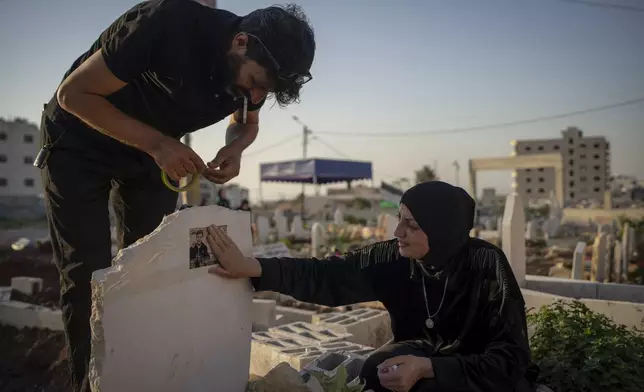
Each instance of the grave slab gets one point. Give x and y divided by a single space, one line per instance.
26 284
160 325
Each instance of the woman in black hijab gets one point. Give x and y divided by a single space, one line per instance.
457 314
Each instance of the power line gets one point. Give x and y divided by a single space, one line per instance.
271 146
604 5
330 147
492 126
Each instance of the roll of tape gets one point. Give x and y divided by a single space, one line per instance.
166 182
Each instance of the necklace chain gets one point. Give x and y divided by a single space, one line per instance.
442 298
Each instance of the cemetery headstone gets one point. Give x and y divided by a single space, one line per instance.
318 238
513 240
263 229
281 225
578 261
161 323
297 228
278 249
598 266
338 217
531 231
617 262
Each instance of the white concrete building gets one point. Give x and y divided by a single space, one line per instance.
586 167
19 145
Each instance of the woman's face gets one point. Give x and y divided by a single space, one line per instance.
412 241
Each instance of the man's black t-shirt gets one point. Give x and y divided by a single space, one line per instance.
172 54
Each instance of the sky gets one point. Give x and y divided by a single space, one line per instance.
393 67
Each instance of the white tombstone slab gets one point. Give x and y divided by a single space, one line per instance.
263 229
626 246
297 228
578 261
600 250
531 230
338 217
617 261
632 240
318 238
513 236
159 325
281 226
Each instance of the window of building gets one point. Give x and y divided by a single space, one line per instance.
29 182
596 145
541 169
571 151
582 156
570 141
29 160
528 179
583 178
597 178
572 194
528 148
529 190
540 148
541 179
28 138
571 183
541 190
597 190
582 145
528 170
3 158
3 136
571 173
556 147
596 156
572 161
596 167
3 182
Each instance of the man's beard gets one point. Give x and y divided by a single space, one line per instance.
234 63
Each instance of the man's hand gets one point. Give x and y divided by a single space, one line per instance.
234 264
400 374
176 159
225 166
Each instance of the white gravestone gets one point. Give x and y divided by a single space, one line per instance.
160 322
598 266
513 240
617 261
531 231
318 238
263 229
578 258
278 249
297 228
281 226
338 217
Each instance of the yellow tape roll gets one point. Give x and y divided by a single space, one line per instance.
166 182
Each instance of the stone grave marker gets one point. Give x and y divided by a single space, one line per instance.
338 217
600 251
278 249
318 238
531 231
281 225
263 229
297 228
578 261
161 322
513 232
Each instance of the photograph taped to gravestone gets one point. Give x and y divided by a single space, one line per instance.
200 253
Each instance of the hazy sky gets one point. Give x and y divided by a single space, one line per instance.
394 66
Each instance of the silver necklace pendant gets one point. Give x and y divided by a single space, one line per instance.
429 323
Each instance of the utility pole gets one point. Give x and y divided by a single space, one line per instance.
457 167
306 131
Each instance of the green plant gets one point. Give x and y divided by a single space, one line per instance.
581 350
337 382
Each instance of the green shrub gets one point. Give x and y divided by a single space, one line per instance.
581 350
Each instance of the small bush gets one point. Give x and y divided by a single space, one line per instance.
581 350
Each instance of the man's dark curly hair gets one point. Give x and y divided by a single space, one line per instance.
286 33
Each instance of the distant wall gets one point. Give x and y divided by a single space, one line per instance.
583 214
17 208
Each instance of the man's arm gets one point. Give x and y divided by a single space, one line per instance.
239 135
83 94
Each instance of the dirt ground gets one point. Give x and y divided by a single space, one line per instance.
32 360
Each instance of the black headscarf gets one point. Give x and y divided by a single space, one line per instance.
445 213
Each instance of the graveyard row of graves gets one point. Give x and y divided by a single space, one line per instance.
272 340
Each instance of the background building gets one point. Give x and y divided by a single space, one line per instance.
19 144
586 167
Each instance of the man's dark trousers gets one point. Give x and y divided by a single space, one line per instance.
78 181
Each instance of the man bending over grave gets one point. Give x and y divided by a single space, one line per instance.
457 314
163 69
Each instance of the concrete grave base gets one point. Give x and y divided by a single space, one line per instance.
158 325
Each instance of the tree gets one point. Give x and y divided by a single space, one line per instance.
425 173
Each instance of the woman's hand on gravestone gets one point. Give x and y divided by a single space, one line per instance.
233 264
